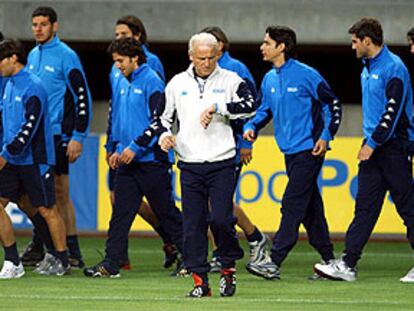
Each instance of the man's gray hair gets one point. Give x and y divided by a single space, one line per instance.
202 38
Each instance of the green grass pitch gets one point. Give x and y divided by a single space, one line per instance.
149 287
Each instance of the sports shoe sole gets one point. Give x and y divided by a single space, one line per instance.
266 276
329 277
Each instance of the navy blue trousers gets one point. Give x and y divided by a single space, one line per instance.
389 168
201 183
302 204
133 181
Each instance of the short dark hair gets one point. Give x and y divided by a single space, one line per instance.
219 34
136 25
10 47
410 34
128 47
1 36
368 27
286 35
46 11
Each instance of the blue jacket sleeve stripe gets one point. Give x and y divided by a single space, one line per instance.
389 119
33 111
83 106
156 107
332 110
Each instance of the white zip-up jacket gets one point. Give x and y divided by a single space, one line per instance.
187 97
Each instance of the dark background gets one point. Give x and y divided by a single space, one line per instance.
337 64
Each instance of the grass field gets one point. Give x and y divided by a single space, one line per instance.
149 287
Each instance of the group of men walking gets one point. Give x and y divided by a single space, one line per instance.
45 111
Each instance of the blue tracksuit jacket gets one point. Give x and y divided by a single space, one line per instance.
302 105
117 80
27 136
387 99
69 99
141 104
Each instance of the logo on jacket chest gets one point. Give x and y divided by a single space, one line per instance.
49 68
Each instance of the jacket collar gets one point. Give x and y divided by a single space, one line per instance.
369 62
135 74
285 66
52 43
225 57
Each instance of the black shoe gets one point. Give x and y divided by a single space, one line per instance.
171 254
76 263
32 255
228 282
200 291
102 269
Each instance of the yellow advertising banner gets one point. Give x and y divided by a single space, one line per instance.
263 181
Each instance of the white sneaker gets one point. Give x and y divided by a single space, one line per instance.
48 261
337 270
258 249
409 277
10 271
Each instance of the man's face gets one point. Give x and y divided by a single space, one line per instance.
204 59
270 50
125 64
123 31
43 30
7 66
360 46
411 43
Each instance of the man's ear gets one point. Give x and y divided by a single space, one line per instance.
367 41
55 27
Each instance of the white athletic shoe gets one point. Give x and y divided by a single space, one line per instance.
48 261
10 271
258 249
409 277
336 270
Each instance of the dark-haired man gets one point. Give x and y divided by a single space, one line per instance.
256 239
385 164
26 158
70 106
130 26
306 116
143 169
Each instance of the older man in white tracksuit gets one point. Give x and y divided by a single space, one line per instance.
204 98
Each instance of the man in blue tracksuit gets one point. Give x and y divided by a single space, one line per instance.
26 157
132 26
143 169
69 105
385 163
256 239
306 116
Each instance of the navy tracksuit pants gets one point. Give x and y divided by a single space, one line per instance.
133 181
389 168
302 203
201 183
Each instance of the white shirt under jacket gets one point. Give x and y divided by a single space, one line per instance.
187 97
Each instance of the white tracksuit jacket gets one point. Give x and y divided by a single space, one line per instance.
187 97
